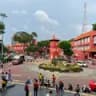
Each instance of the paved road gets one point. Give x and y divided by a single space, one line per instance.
30 70
18 90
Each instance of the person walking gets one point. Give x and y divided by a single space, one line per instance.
3 75
4 84
26 89
36 87
77 88
57 90
61 88
9 75
40 78
70 87
6 76
4 80
53 80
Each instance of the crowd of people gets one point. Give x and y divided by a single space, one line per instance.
42 82
6 77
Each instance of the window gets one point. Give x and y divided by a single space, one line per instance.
82 41
94 40
88 39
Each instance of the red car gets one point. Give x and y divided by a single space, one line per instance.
92 85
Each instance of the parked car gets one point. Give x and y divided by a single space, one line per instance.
82 64
29 58
18 59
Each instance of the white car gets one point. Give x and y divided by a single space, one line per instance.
82 64
29 58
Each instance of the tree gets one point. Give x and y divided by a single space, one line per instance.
22 37
2 27
5 49
3 15
43 46
32 48
44 43
94 26
65 45
34 34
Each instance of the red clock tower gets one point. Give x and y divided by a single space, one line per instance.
54 49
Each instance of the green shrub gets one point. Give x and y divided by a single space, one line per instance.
64 69
54 61
61 67
76 69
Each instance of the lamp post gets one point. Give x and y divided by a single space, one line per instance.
1 42
2 27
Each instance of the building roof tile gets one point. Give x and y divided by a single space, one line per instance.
85 34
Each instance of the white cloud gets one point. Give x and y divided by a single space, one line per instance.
43 17
19 12
47 24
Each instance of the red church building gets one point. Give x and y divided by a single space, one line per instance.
84 45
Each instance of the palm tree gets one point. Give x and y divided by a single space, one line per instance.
2 27
22 37
34 34
3 15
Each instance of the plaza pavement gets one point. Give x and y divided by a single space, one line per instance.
18 90
29 70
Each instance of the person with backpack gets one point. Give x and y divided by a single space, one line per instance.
36 87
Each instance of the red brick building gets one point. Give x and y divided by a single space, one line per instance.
18 47
84 45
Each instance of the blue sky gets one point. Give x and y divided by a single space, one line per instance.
63 18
